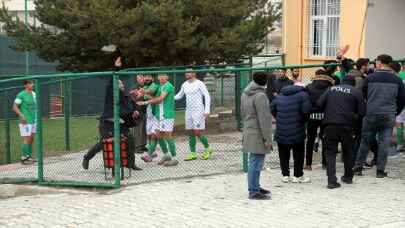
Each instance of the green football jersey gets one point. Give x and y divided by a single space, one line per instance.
166 108
154 88
402 75
28 105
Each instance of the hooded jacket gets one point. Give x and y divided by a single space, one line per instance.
257 122
291 109
318 86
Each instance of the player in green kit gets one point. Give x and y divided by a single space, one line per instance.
165 115
152 122
25 106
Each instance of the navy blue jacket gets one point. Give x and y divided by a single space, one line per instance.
291 109
384 93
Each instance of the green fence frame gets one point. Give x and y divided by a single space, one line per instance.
242 72
243 77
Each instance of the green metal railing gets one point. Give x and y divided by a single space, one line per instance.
242 78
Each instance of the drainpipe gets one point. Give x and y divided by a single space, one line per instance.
302 33
27 54
363 29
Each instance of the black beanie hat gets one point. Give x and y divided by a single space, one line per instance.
260 78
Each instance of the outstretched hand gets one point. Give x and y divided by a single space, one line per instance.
118 62
342 51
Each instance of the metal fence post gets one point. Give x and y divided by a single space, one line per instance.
67 112
39 136
238 115
222 91
7 127
117 135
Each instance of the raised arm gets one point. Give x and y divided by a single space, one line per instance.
156 100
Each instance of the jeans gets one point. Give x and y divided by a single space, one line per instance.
373 125
335 134
312 134
357 142
284 152
255 167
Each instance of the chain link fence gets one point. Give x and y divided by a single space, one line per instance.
70 107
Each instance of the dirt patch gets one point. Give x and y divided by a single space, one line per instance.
11 191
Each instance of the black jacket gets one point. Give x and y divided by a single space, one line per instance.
141 109
342 105
274 86
384 92
127 106
271 78
317 87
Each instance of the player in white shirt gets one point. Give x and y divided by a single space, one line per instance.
198 102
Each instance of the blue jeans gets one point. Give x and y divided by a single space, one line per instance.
376 125
255 167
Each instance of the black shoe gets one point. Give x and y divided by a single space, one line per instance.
369 165
259 196
85 163
334 185
358 171
316 147
347 180
136 168
26 161
264 191
381 174
139 150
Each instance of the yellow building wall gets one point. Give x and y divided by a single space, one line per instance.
296 30
292 40
352 30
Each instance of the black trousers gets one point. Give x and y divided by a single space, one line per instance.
335 134
312 134
284 152
139 132
105 129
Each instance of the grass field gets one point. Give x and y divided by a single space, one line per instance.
83 134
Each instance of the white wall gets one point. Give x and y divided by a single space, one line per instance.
18 5
17 8
385 29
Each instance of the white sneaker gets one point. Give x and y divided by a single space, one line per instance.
286 179
301 180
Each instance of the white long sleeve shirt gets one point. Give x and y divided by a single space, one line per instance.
195 91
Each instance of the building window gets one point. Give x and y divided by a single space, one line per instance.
324 28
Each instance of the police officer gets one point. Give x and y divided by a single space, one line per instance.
343 105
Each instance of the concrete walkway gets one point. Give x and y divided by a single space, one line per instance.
218 201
